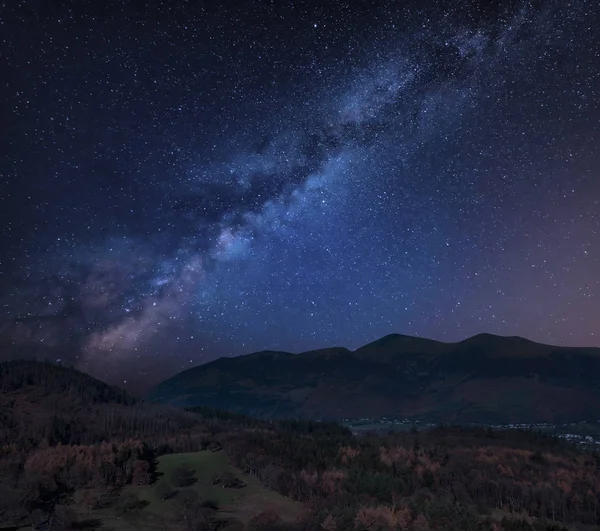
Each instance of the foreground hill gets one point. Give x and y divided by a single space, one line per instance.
43 403
486 378
77 453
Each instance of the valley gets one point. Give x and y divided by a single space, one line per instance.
585 434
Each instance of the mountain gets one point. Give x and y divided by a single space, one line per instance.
485 378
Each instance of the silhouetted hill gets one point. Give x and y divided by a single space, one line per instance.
46 379
485 378
44 403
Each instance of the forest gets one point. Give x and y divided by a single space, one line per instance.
68 441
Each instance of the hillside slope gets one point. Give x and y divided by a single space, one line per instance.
485 378
43 403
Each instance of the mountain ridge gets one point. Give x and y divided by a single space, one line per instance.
483 378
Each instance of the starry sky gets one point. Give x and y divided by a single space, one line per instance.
186 180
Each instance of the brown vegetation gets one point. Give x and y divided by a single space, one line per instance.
440 480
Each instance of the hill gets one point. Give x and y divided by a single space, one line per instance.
78 453
483 379
44 403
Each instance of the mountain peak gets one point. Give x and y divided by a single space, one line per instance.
484 378
394 344
486 336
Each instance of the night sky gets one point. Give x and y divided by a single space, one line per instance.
187 180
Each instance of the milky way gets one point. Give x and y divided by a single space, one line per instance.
186 181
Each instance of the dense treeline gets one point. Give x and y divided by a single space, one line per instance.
67 439
448 474
44 404
63 432
43 379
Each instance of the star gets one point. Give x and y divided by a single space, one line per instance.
185 183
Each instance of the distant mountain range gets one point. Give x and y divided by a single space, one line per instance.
483 379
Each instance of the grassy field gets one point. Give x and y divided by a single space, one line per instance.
235 503
239 504
205 465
